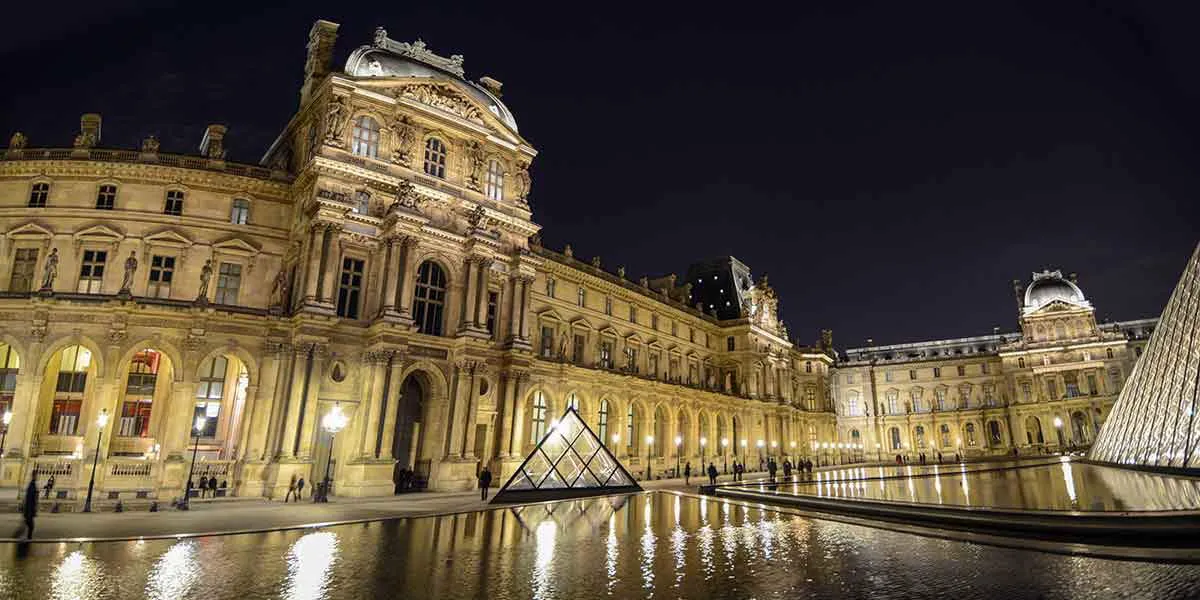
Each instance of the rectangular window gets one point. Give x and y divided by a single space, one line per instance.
729 343
887 376
608 305
1051 389
632 313
174 204
240 213
691 335
68 392
962 370
495 181
675 328
912 374
106 198
210 393
24 270
362 202
1091 382
38 194
606 354
849 378
493 308
989 395
1027 391
937 371
983 368
350 288
654 321
577 349
229 279
91 271
547 342
162 272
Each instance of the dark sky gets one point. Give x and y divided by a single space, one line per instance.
891 165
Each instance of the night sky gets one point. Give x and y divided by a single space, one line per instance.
891 166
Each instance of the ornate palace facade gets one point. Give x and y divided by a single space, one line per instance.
382 262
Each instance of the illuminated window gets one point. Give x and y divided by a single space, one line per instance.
239 213
68 391
429 298
993 428
493 309
894 435
631 429
606 348
174 203
10 366
139 394
365 137
229 279
210 393
38 195
435 158
162 272
91 271
106 197
547 342
350 288
495 181
362 202
970 433
537 417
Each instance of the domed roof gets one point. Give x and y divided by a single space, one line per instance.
389 58
1051 286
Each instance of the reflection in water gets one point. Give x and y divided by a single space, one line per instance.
309 564
1069 480
174 573
733 551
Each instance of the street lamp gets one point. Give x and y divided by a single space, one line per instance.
678 445
703 441
760 451
198 425
1058 423
333 422
4 434
649 441
725 454
102 420
743 454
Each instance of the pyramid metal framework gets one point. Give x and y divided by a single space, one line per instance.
568 462
1154 421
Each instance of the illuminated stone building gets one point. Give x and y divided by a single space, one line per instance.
1045 388
382 261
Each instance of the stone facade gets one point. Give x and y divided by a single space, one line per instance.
383 262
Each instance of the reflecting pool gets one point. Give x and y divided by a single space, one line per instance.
1059 485
651 545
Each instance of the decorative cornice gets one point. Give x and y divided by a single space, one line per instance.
419 52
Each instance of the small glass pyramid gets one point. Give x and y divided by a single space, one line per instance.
569 462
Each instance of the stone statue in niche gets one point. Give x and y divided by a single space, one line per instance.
131 265
475 159
477 217
522 181
18 141
335 121
50 271
403 134
205 277
279 290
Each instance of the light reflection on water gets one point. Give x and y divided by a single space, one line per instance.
649 546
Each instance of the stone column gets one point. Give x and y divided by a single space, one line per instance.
523 324
407 278
387 282
263 405
375 365
310 416
313 261
177 427
24 407
472 407
470 287
507 412
330 266
518 414
280 401
301 365
390 408
480 318
458 403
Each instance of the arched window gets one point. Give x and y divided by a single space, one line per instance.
970 431
893 402
365 141
429 298
919 434
495 180
944 432
894 434
994 436
210 393
435 158
139 394
68 392
38 195
1033 431
631 429
660 432
537 416
602 423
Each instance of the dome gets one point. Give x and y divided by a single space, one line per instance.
412 60
1051 286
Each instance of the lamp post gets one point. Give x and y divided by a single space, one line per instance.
760 445
678 450
725 454
743 454
101 421
1058 423
703 442
4 434
649 441
333 422
878 452
198 425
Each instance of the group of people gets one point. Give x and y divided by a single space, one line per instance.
923 459
208 486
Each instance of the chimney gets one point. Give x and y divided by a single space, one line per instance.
212 145
320 56
89 131
492 85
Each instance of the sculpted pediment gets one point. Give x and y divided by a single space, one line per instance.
236 247
169 238
549 315
29 231
98 233
581 323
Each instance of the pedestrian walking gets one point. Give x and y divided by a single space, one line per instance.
291 490
49 487
687 473
299 489
212 487
485 481
771 467
939 457
203 485
29 506
787 469
712 473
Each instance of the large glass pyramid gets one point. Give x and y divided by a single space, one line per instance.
568 462
1154 421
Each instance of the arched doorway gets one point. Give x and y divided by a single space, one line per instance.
1033 431
220 404
146 392
66 391
408 435
995 438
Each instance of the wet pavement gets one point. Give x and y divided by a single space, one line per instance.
651 545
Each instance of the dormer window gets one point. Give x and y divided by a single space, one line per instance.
239 213
365 141
106 197
362 202
495 181
435 158
174 204
38 195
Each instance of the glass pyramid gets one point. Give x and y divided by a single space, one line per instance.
568 462
1154 421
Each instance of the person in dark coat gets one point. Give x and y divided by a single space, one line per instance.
300 489
291 493
203 485
49 486
687 473
29 506
485 481
712 473
771 468
212 487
